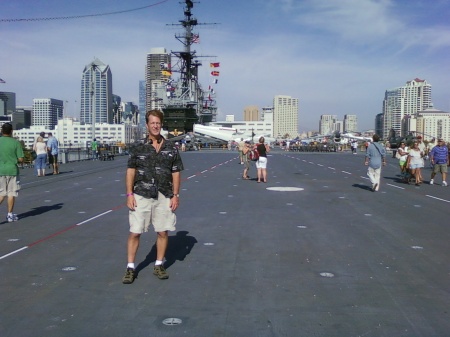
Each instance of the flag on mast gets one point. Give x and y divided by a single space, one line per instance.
215 73
215 65
195 38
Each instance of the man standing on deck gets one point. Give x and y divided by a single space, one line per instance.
375 156
52 146
152 186
94 149
439 159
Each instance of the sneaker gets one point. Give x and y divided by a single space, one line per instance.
129 276
431 182
374 187
160 271
12 217
444 183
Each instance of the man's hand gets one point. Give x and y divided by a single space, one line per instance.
131 202
174 202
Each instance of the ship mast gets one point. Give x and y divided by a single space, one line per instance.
185 106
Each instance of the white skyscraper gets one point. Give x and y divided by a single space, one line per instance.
96 93
285 116
433 123
46 112
404 101
327 124
350 123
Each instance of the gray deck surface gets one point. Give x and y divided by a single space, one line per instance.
333 259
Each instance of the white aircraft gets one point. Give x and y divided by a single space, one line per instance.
351 136
227 134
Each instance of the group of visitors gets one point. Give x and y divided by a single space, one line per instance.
11 154
261 163
411 161
46 152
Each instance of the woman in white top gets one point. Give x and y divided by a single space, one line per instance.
415 162
402 155
41 150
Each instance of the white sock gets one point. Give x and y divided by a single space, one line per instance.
130 265
158 262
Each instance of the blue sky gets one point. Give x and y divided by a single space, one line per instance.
336 56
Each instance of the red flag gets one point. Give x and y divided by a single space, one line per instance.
215 73
215 65
195 38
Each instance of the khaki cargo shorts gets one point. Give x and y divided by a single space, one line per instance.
152 211
9 186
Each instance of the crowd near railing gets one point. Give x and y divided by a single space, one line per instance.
73 154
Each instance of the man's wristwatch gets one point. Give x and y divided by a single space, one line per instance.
176 195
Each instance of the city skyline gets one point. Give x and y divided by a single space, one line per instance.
336 57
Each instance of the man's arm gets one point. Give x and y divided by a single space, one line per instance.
431 155
129 183
175 200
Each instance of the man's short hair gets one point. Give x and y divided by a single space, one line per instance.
375 137
7 129
156 113
50 134
42 134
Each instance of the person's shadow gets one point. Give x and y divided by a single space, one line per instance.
363 187
37 211
178 248
40 210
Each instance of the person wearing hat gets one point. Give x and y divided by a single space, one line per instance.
439 159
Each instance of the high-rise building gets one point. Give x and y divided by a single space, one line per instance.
7 103
350 123
46 112
96 93
251 113
130 113
285 116
267 110
157 72
142 110
404 101
339 126
327 124
22 117
433 123
379 124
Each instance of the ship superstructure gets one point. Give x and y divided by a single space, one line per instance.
183 100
